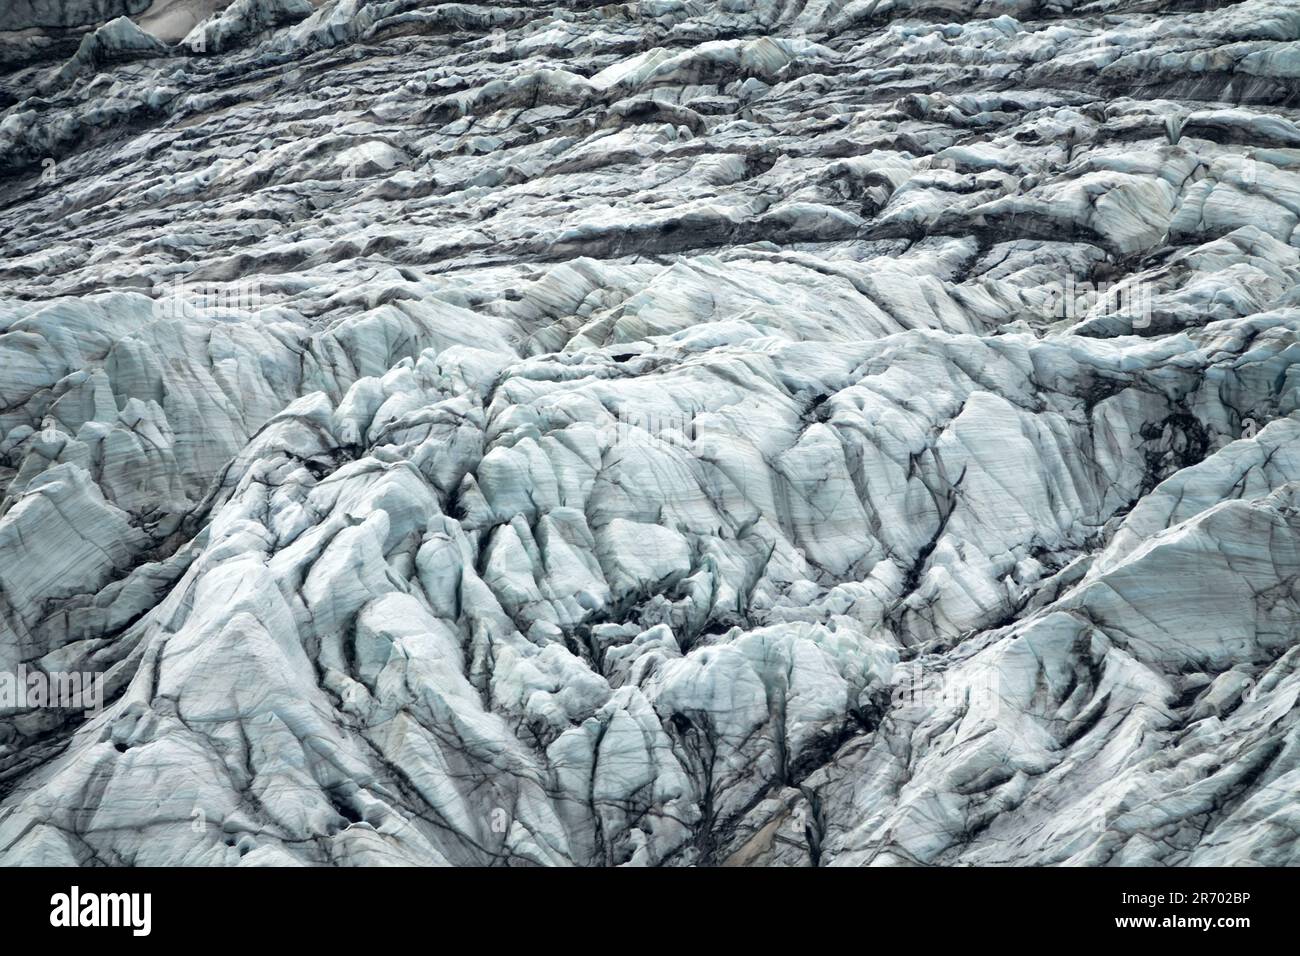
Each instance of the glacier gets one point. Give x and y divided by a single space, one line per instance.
679 432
